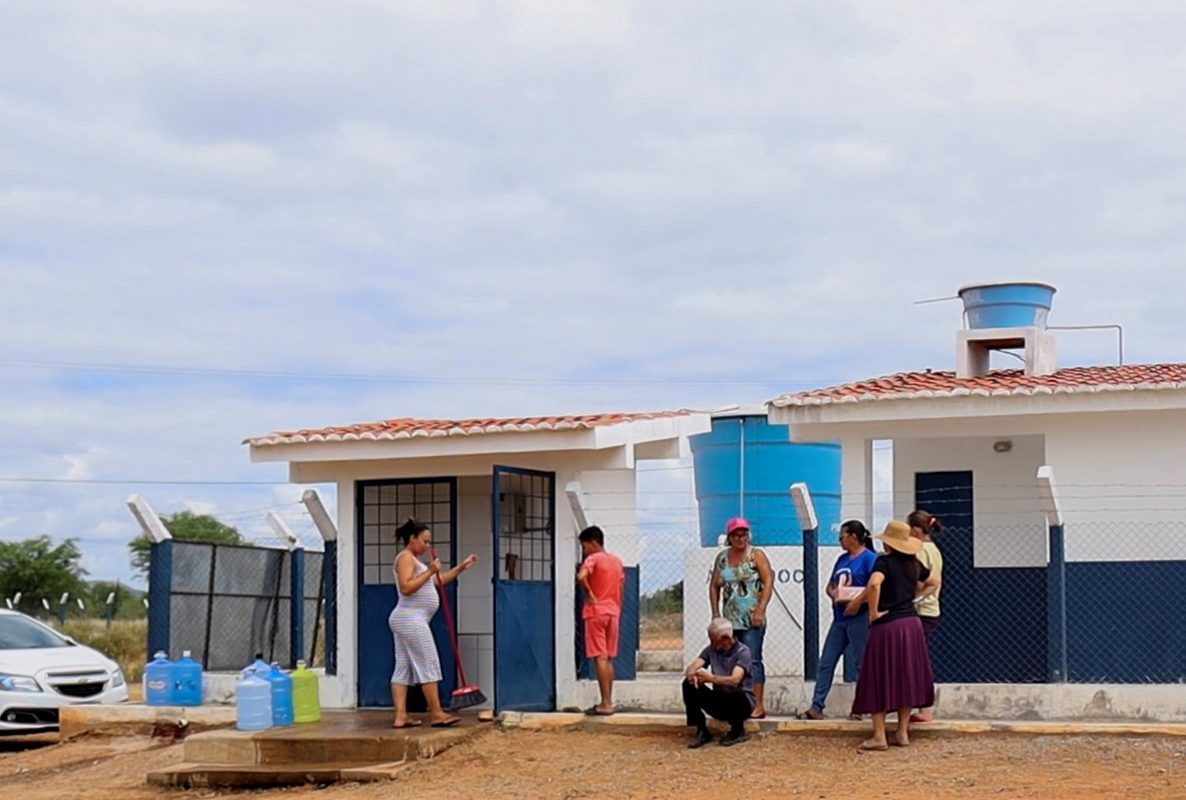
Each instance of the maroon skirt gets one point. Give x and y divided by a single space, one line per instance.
896 669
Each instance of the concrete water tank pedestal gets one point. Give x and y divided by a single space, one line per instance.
973 348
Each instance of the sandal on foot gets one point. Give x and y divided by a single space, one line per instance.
447 723
412 723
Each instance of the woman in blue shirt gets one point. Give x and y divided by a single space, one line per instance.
847 634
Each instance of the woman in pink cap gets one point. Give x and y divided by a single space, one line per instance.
741 587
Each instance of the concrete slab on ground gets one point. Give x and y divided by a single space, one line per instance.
135 719
343 746
245 776
640 721
1049 702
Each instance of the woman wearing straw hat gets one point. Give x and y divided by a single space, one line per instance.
896 669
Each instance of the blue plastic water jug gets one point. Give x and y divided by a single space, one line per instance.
259 666
282 710
253 703
187 681
158 681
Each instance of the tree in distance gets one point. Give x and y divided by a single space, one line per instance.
185 526
37 568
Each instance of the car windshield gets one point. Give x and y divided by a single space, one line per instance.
22 633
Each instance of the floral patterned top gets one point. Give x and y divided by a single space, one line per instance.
741 587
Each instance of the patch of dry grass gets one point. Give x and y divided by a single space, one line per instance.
125 642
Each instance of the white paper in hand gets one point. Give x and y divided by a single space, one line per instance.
845 591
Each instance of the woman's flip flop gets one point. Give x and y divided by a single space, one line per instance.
412 723
446 723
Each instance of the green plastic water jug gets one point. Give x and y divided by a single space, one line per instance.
306 701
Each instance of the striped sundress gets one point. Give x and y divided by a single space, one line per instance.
416 659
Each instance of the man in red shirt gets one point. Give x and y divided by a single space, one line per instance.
601 577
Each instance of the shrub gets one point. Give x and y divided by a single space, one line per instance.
125 642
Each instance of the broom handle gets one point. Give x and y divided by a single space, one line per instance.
449 623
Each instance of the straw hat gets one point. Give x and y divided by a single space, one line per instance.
897 535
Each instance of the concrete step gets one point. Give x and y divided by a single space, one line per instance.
137 719
357 737
246 776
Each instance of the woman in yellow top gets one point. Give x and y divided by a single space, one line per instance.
924 526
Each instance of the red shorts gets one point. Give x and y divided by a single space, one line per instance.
601 637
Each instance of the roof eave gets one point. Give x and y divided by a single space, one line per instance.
976 404
403 446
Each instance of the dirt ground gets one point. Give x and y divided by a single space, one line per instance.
576 764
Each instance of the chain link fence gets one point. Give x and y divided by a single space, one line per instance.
1013 610
230 603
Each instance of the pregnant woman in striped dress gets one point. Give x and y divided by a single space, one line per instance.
416 659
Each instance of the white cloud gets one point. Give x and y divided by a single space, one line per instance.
749 196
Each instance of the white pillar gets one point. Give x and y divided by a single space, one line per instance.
345 688
856 480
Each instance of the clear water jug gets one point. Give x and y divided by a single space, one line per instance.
253 703
306 699
187 681
158 681
282 710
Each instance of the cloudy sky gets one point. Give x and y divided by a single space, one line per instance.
531 207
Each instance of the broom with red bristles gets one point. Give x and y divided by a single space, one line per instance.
464 696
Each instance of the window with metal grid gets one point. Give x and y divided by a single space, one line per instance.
525 526
385 505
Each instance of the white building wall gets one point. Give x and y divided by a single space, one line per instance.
341 690
1121 480
610 501
782 649
475 592
1009 524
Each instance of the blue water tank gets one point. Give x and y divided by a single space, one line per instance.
1007 305
744 467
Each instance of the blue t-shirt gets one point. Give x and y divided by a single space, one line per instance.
857 569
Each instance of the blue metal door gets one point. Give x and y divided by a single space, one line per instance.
993 623
380 508
524 529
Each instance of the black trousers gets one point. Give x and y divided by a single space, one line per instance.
732 708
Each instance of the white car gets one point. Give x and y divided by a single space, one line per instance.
41 670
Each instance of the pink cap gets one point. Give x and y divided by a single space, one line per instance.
736 524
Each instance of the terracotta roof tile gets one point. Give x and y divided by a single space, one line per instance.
409 428
998 383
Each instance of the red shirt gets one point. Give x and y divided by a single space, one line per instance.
606 576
